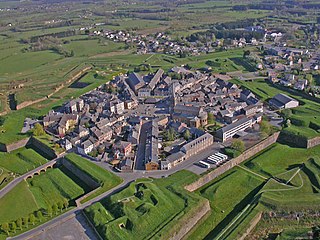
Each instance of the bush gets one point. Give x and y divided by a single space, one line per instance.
298 122
238 145
292 138
232 153
314 126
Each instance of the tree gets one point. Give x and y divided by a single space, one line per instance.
55 208
287 113
211 118
187 135
246 53
265 127
32 218
60 205
65 203
26 222
19 223
38 130
5 228
13 227
49 211
238 145
39 216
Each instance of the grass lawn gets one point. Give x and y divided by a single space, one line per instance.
227 194
106 179
21 161
52 187
279 158
19 202
146 209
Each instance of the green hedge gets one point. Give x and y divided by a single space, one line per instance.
293 139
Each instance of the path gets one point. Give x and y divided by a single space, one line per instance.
254 173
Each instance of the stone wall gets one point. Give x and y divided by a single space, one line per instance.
43 147
15 145
313 142
80 174
252 225
192 221
233 162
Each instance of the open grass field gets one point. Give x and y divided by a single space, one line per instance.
23 201
106 179
240 189
21 161
146 209
52 187
307 112
227 194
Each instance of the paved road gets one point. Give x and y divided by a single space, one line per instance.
145 128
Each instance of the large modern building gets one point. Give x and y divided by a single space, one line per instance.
188 150
282 101
232 129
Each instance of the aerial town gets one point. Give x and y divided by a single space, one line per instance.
160 119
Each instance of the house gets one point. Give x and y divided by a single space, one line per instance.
301 85
135 82
246 94
86 147
82 131
173 160
122 147
282 101
232 129
74 106
66 144
156 79
126 165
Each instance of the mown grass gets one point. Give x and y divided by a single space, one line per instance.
21 161
106 179
227 194
162 208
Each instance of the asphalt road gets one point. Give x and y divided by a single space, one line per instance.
139 164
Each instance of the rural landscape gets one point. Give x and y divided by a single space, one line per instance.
160 119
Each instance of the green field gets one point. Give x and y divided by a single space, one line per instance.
239 189
106 179
146 209
21 161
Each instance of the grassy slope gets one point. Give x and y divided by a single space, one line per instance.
107 179
19 202
160 211
21 161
